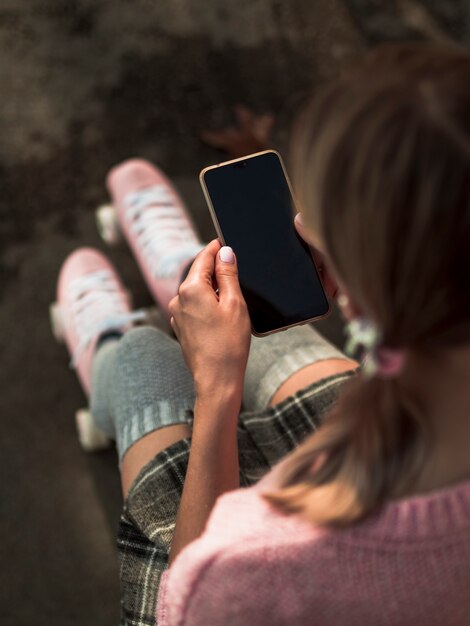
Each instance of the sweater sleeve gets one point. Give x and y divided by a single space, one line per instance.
232 589
220 577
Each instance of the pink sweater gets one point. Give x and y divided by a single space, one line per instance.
409 565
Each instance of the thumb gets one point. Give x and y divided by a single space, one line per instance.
226 272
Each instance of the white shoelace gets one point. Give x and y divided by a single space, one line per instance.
98 307
163 232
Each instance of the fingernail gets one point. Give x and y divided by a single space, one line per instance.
226 254
298 218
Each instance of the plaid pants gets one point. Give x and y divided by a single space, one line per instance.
148 518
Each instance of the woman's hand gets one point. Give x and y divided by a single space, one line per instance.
329 283
213 329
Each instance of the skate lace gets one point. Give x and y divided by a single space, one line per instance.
163 232
98 306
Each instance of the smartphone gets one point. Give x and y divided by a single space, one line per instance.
252 206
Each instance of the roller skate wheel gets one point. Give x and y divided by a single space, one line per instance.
91 438
57 322
107 224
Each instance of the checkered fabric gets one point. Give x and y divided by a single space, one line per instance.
149 514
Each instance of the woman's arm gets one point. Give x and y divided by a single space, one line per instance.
213 465
213 329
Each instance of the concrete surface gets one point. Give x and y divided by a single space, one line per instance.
83 85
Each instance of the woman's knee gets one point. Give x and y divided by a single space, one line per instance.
313 373
148 360
141 342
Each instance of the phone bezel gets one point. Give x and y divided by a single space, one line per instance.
222 238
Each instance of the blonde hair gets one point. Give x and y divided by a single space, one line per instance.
382 172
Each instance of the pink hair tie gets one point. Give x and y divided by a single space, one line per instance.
389 363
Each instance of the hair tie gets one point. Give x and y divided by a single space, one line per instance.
377 360
389 362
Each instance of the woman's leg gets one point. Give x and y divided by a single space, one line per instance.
141 394
309 375
142 389
283 363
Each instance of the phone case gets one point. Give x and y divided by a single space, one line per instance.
222 239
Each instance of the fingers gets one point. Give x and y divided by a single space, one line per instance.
201 273
215 266
329 283
173 310
174 327
203 265
226 273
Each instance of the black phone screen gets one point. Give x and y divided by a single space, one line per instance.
254 208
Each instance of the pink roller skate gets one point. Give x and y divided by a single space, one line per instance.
149 212
91 301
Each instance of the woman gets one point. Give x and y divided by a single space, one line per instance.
367 520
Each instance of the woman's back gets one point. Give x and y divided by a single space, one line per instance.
408 565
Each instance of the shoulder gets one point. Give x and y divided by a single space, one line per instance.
244 583
237 568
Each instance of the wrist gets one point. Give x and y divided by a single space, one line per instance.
219 400
217 406
220 392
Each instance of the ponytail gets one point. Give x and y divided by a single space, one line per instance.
370 449
382 172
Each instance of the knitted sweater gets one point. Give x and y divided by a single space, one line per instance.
408 565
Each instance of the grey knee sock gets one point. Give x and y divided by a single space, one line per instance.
139 384
274 358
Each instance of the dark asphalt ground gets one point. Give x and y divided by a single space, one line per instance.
84 85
